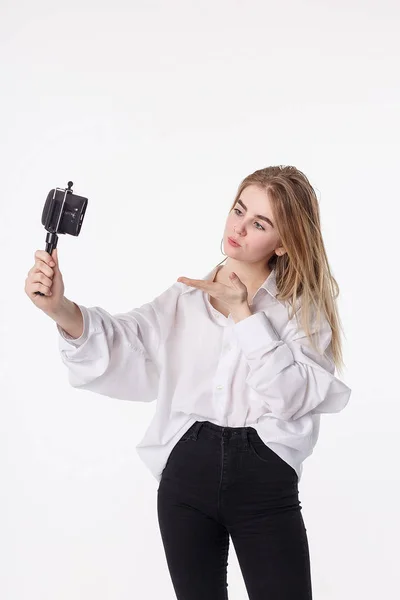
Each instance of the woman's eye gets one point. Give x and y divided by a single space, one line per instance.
239 211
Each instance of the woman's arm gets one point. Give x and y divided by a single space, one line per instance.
115 355
292 376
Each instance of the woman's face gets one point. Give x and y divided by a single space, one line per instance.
257 236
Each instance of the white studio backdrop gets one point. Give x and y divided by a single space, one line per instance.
156 111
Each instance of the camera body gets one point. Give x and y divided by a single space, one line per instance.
63 211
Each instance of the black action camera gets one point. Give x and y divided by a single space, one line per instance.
63 212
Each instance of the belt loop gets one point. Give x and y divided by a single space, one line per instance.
196 429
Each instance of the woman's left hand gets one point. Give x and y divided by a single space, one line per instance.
233 296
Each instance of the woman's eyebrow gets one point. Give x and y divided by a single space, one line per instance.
258 216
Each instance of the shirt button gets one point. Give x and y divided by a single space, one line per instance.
219 387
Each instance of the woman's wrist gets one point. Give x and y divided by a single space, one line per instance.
69 317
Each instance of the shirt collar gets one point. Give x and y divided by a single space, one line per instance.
269 284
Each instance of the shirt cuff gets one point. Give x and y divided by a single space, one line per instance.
255 332
86 326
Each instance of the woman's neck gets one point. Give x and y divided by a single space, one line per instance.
252 280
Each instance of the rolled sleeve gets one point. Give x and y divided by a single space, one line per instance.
293 377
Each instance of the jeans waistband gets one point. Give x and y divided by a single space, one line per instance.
220 431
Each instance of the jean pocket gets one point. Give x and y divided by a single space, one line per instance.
265 454
184 438
188 435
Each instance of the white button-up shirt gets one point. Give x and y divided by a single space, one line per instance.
202 366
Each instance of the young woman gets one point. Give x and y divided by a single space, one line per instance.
242 364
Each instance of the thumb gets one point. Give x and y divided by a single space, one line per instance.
54 256
235 279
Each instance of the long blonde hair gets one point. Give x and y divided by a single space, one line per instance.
303 272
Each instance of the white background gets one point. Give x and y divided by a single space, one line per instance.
156 111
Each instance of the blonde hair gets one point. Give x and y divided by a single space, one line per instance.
303 272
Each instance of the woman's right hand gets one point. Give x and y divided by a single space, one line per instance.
45 278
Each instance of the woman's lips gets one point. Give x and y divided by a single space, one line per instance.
233 243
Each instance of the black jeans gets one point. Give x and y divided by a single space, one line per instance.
222 482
